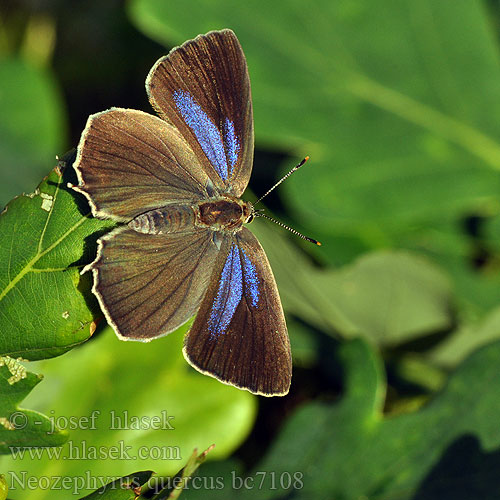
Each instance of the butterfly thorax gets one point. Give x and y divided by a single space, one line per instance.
223 213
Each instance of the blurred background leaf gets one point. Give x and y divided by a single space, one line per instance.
33 129
390 297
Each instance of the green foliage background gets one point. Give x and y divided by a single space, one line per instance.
394 321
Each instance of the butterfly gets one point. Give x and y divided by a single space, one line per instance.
174 183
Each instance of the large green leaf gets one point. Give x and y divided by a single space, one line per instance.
44 302
31 126
393 296
396 101
349 450
20 428
142 396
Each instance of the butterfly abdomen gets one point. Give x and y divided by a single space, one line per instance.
169 219
226 213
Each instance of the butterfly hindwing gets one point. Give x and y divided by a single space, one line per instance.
239 335
203 89
150 284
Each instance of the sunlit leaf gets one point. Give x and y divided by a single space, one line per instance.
45 305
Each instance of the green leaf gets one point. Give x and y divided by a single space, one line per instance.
20 428
124 488
388 296
31 126
469 337
117 398
393 296
350 450
44 301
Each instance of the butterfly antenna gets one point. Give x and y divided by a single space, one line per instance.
300 235
294 169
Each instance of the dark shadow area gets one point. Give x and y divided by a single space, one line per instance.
474 226
465 472
424 342
69 178
86 279
89 249
266 172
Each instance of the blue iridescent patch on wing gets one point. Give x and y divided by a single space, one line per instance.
208 135
230 290
233 147
228 295
251 280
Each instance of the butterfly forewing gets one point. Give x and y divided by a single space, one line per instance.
148 285
130 162
203 88
239 335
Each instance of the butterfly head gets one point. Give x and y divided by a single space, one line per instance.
248 212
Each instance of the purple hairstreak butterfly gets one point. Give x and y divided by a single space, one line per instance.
174 183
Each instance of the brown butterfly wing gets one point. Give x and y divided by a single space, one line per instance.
130 162
239 335
149 285
203 89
